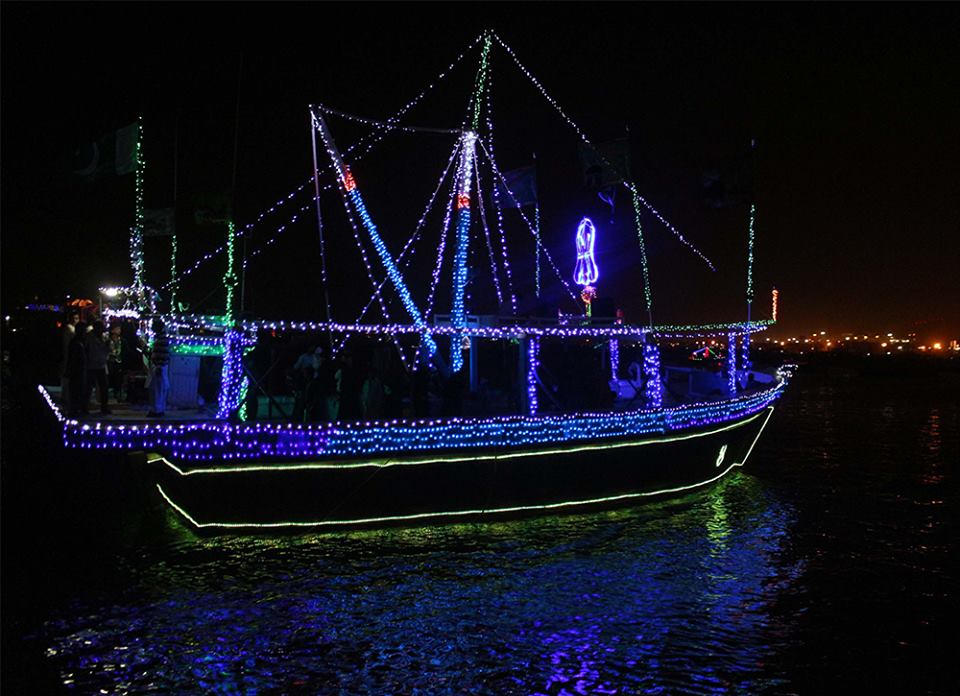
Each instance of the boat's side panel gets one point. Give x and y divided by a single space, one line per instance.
565 477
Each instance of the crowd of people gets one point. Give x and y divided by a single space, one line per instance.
115 362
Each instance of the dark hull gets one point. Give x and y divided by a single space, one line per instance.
457 486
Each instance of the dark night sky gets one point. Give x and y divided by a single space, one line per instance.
855 109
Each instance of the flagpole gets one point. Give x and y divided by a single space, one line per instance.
233 186
173 238
536 213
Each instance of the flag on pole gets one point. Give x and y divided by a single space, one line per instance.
114 153
606 164
520 190
213 209
730 182
158 222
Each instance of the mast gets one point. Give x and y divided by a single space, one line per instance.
464 179
352 194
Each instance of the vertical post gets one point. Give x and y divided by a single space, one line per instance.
536 219
614 358
136 232
745 364
173 238
732 364
458 312
653 387
233 383
230 277
323 251
533 362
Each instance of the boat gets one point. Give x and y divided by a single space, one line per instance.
659 430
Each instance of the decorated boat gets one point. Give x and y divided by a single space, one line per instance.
543 442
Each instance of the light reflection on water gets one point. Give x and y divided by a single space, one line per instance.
826 566
664 598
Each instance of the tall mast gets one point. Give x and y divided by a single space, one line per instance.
464 178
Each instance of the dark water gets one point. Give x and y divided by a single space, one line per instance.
828 565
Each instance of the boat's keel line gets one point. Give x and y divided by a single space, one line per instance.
446 514
482 512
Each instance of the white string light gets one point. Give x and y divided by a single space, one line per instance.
583 136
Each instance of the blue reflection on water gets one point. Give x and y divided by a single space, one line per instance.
668 598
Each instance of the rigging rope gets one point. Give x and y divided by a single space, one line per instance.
629 185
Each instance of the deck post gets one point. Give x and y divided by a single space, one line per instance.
653 386
732 363
532 353
233 383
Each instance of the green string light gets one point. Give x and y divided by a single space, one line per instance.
136 232
173 271
481 79
230 277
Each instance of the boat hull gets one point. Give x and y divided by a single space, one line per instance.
457 486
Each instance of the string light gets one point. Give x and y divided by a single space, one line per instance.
486 233
753 210
533 364
353 194
491 511
745 363
773 303
464 179
230 277
583 137
225 441
136 232
546 252
653 389
233 381
614 358
496 200
648 296
732 363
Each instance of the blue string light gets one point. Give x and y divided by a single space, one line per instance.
226 441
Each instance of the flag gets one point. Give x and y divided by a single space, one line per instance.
158 222
114 153
605 164
520 189
730 183
212 209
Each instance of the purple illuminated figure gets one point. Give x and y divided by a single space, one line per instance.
586 272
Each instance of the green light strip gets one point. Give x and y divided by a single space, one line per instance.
462 513
385 463
186 349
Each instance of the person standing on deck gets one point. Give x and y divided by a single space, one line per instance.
159 364
98 349
115 361
69 331
76 372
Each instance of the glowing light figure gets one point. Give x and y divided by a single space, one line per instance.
586 272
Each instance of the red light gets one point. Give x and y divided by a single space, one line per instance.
348 183
463 201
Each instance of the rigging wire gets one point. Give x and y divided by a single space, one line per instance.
546 252
629 185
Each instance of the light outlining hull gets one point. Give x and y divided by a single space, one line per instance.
424 490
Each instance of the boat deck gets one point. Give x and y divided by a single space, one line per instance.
132 414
